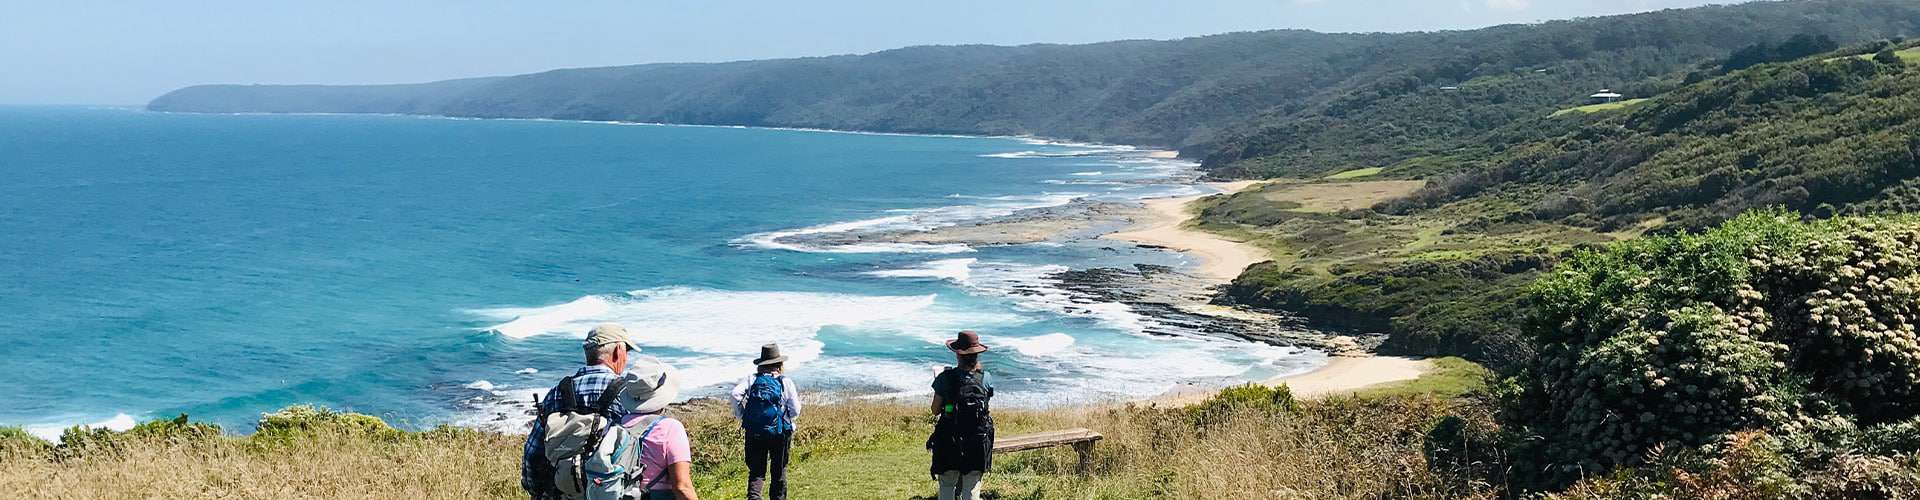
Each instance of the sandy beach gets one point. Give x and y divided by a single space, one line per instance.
1341 375
1220 260
1161 224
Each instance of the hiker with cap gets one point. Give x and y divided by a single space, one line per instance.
572 417
962 440
766 404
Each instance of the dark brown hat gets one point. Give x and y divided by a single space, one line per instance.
967 342
770 354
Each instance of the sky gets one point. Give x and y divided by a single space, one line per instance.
126 52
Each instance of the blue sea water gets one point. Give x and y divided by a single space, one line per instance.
440 271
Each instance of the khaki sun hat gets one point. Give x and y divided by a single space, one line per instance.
608 333
651 386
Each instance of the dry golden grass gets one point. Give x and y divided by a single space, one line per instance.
1328 197
320 465
1340 448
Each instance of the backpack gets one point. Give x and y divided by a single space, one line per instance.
962 438
572 432
763 416
615 467
969 404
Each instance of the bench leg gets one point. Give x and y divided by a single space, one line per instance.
1085 449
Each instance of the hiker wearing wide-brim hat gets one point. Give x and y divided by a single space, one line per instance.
648 455
966 342
767 404
962 440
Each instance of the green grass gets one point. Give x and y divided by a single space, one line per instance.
1596 108
1910 55
1357 173
1449 377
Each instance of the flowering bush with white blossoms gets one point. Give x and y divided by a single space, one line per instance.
1765 323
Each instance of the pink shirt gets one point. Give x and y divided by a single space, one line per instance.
665 446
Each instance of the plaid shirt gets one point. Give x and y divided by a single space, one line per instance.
588 383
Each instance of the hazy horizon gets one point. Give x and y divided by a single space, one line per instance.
127 53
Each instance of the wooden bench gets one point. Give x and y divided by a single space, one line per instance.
1080 439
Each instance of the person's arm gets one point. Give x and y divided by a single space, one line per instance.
938 402
738 398
532 450
791 399
683 481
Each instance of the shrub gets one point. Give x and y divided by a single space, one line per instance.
16 442
1765 323
305 420
1277 399
78 442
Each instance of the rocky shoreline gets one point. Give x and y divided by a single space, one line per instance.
1177 302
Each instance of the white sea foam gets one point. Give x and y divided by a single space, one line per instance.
526 371
1044 345
1044 154
1092 173
530 321
955 270
480 385
918 219
720 322
51 432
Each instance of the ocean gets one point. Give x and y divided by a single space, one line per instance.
440 271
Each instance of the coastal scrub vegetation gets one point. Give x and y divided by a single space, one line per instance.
1442 268
1786 346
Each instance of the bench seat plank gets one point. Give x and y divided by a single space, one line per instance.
1045 440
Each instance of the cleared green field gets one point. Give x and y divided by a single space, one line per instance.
1596 108
1357 173
1911 56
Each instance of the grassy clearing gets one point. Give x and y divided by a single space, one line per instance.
1910 55
1235 448
1450 377
1596 108
1356 173
1440 282
1322 230
1333 197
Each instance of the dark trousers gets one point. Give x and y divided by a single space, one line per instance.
762 453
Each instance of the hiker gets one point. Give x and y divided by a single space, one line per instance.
648 456
766 404
576 411
962 440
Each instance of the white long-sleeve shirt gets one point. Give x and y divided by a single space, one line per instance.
789 397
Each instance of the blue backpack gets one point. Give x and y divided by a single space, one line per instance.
763 416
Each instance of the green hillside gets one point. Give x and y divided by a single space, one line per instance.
1441 268
1256 104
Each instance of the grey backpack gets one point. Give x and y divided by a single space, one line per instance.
574 432
613 471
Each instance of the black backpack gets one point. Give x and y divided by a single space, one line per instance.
971 402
